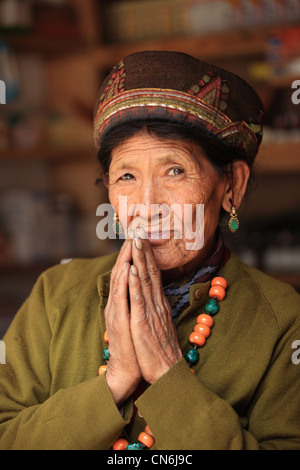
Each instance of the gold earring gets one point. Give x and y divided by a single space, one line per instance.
233 221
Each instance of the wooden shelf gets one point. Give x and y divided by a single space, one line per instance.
227 45
54 154
239 43
243 43
73 37
212 46
42 44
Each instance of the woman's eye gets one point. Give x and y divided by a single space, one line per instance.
175 171
126 177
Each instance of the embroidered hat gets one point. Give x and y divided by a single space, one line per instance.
179 88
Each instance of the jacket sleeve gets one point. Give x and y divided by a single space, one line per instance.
196 418
83 416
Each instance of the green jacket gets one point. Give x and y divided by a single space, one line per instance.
245 394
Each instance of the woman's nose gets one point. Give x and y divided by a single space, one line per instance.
149 200
150 207
146 194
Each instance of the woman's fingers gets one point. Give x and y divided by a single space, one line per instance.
153 334
137 299
148 271
124 256
142 340
123 372
119 294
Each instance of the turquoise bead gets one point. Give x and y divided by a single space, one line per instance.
105 354
135 446
192 356
212 307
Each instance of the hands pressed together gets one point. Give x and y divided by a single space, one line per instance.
143 341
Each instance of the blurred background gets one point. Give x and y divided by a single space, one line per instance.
54 55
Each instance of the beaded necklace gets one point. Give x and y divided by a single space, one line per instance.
197 339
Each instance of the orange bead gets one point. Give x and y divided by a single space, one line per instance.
146 439
203 329
147 430
197 338
219 281
218 292
105 336
102 369
120 444
205 320
192 370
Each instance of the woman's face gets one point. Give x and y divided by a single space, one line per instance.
161 174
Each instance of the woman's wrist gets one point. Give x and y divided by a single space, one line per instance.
120 388
157 374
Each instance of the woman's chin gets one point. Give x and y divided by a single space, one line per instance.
174 260
168 254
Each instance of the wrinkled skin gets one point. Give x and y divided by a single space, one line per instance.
142 338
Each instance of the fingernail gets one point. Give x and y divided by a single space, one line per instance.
141 232
124 266
133 270
131 234
138 243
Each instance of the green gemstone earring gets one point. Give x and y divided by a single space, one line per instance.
233 221
117 226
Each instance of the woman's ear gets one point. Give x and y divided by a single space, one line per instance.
236 186
105 180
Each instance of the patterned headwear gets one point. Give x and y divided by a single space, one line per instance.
176 87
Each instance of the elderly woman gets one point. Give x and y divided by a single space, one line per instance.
160 346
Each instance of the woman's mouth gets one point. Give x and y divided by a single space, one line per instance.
156 235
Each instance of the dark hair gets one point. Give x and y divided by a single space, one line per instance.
220 155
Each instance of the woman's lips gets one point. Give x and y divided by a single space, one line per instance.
154 235
159 236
